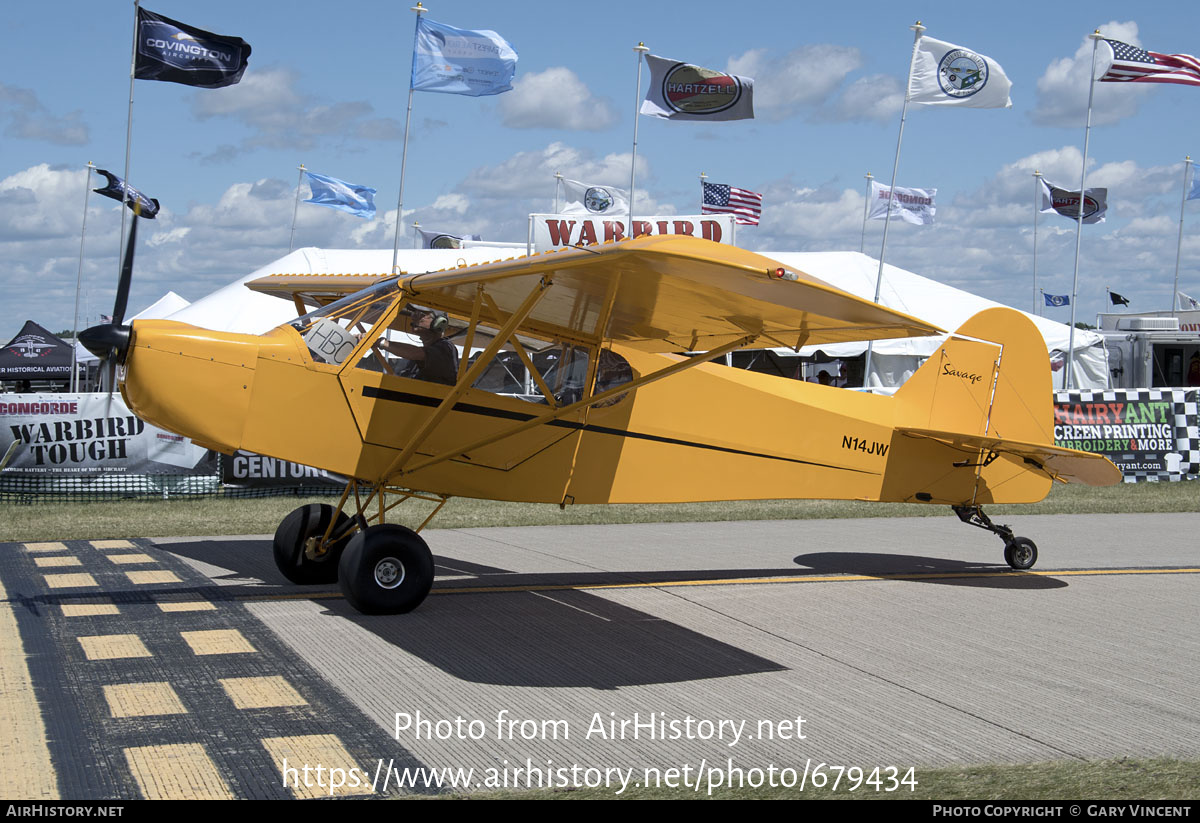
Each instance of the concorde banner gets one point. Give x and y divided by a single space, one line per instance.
555 231
1150 434
76 434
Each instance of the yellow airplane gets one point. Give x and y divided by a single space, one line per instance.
592 382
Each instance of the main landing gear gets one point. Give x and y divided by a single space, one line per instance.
381 568
1019 552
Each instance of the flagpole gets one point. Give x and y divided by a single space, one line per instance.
1037 191
128 136
419 9
862 244
87 189
295 210
1187 161
639 49
1087 133
558 178
887 219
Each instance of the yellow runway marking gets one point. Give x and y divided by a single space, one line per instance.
56 562
112 544
45 547
129 559
311 750
69 581
142 700
113 646
89 609
143 578
218 641
261 692
28 772
185 606
182 771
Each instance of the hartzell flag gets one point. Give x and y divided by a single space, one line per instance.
1066 203
910 205
944 74
580 198
681 91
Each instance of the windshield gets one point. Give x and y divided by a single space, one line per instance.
331 332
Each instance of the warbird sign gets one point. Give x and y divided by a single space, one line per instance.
581 390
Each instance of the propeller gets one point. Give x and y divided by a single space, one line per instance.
110 341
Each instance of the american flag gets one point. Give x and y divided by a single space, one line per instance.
745 206
1133 65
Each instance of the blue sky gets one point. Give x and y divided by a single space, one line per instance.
327 87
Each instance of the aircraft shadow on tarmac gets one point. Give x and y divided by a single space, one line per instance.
554 638
918 569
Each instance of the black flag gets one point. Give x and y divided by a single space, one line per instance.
117 189
1117 300
178 53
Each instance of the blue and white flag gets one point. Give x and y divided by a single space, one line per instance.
178 53
338 194
120 191
461 61
1194 192
1057 299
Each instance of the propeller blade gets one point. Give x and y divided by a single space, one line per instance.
126 275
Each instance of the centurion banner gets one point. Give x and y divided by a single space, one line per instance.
554 231
1150 434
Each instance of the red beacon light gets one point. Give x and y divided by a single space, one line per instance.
783 274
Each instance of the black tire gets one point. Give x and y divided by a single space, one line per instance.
1020 553
290 538
386 569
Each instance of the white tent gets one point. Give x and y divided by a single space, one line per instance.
164 306
892 361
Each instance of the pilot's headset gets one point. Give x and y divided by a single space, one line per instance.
439 321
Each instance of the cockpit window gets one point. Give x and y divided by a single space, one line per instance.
332 332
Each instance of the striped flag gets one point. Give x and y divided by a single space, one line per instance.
745 206
1133 65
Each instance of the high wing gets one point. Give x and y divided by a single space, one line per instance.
1067 465
664 293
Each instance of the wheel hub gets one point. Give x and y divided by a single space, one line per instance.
389 573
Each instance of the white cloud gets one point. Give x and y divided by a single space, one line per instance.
878 97
28 119
555 99
1062 95
802 78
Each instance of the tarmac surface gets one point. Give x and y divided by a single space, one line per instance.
683 654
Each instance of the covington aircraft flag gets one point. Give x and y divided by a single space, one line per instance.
119 191
1066 203
914 206
681 91
175 52
461 61
442 240
944 74
338 194
745 206
1129 64
1057 299
580 198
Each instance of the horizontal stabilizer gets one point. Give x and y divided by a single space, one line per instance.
1067 465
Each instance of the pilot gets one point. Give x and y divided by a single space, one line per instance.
436 359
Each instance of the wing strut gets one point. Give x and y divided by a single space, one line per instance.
467 380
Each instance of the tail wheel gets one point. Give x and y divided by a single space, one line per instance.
299 554
386 569
1020 553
